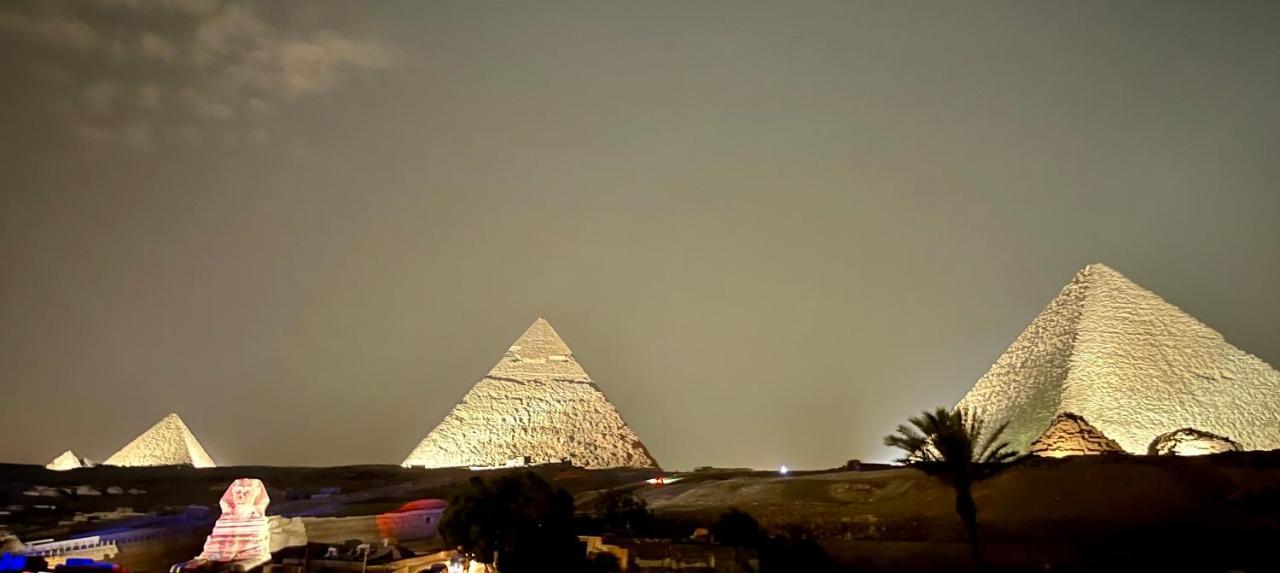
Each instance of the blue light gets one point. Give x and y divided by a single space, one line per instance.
11 562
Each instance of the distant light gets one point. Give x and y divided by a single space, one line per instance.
662 480
784 470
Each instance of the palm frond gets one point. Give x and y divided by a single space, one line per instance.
993 444
954 444
908 439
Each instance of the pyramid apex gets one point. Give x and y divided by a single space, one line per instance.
172 418
539 350
1095 269
65 461
1099 273
540 330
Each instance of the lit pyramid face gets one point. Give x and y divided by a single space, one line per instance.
67 460
167 443
537 405
1132 366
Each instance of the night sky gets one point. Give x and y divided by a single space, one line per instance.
769 232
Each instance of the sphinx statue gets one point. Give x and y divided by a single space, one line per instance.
241 537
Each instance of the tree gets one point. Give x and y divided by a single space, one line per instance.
954 447
738 528
603 563
794 549
516 520
622 513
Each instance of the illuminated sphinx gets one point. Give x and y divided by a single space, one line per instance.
241 535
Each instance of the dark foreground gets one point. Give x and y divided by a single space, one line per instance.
1213 513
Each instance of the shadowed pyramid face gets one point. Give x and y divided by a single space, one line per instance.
536 405
1132 366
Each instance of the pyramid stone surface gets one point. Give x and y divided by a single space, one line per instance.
1072 435
167 443
67 460
536 404
1131 364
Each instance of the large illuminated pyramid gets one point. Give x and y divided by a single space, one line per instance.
1130 364
167 443
536 406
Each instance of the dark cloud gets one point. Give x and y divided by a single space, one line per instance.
56 33
192 7
217 61
156 47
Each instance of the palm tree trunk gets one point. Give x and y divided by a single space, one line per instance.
968 511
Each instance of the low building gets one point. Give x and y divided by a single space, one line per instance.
415 524
666 555
366 558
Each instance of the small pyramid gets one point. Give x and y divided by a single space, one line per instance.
537 405
1072 435
167 443
1190 442
1133 365
67 460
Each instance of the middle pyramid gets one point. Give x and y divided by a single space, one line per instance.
537 405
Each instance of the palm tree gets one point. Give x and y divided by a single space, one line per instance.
952 446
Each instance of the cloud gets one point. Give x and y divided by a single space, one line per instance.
216 38
118 51
204 106
257 56
260 105
153 46
136 134
191 135
147 97
316 64
71 34
194 7
228 70
100 97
